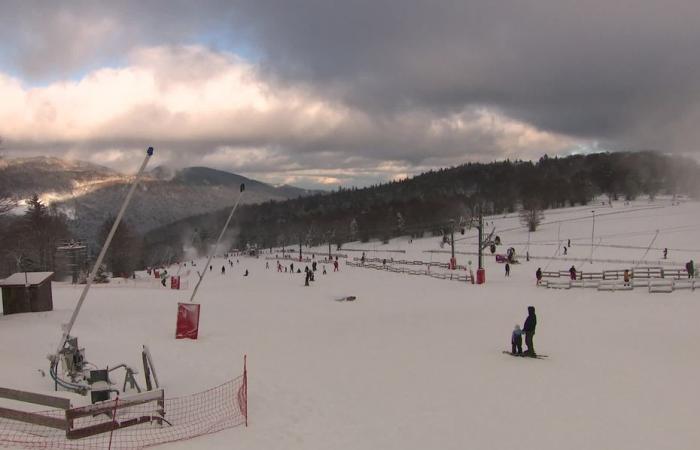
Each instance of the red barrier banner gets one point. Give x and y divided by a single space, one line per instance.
175 282
187 321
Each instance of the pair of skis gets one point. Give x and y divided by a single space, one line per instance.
524 355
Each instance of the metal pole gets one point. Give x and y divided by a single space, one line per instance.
216 246
592 236
481 234
69 326
452 240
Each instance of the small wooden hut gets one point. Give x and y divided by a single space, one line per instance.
27 292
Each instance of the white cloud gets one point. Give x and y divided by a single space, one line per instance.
211 108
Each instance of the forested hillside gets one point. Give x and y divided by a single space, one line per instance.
426 203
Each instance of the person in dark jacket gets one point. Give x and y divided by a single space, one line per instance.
529 330
538 275
572 272
516 341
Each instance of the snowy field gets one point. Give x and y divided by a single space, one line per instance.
416 362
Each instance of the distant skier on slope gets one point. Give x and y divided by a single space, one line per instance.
529 330
538 275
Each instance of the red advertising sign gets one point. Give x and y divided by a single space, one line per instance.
187 321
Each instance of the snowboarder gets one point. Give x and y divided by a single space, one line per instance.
529 330
538 275
626 277
516 341
572 272
507 269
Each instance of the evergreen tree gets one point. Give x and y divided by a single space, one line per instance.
124 253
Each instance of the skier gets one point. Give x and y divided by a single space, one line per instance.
313 266
665 253
324 270
690 268
565 250
306 278
362 259
529 330
538 276
267 264
568 243
335 265
223 270
572 272
516 341
291 267
626 277
507 269
246 273
211 268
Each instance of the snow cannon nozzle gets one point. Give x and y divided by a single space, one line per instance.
149 152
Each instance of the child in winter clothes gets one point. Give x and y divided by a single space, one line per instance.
516 341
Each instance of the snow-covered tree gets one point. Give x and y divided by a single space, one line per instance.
354 228
400 223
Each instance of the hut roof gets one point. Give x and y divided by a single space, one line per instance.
33 278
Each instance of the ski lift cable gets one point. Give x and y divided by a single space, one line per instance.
647 250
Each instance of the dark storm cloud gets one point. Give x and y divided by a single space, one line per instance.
593 69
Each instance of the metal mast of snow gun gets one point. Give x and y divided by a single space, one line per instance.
216 246
69 326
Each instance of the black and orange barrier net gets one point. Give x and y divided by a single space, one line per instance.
129 422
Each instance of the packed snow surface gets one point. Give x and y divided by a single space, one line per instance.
416 362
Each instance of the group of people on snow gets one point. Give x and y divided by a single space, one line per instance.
528 330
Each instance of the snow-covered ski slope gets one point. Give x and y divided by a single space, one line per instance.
416 362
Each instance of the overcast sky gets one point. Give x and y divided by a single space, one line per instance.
319 93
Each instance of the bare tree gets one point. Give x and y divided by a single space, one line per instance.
531 216
7 204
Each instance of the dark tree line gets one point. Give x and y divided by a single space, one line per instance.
427 203
29 241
